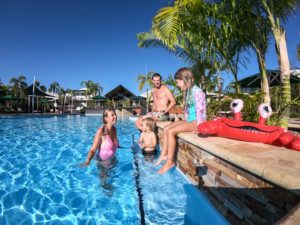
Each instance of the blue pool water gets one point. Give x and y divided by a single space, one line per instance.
41 182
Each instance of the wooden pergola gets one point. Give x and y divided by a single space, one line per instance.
121 93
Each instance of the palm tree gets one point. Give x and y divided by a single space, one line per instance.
171 83
54 87
43 88
96 89
70 95
190 29
92 89
3 89
298 52
145 79
253 31
37 83
278 11
62 94
18 86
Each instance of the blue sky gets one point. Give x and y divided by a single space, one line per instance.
70 41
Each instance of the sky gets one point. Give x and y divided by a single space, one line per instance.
70 41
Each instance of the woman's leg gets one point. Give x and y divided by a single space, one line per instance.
163 155
171 137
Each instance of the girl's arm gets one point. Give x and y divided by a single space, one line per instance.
95 146
200 101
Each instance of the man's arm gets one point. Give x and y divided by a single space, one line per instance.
171 99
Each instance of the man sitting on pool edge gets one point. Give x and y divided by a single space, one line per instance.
163 102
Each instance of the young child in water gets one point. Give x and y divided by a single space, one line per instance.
148 140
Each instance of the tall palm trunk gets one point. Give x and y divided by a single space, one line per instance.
237 86
264 77
283 61
234 69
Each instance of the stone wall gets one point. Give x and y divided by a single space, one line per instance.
241 196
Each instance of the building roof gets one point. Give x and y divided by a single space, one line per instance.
119 93
254 81
37 91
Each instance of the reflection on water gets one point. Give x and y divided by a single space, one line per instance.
107 173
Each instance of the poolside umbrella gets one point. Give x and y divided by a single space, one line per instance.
100 98
8 97
44 101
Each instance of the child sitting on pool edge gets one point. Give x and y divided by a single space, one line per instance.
148 140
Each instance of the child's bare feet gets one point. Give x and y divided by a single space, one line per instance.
160 159
168 165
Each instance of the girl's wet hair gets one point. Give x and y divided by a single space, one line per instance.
105 114
149 123
187 77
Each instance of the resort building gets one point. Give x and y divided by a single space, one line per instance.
252 83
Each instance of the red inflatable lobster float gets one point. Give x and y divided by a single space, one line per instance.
248 131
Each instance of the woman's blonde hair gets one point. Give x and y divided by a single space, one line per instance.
105 114
187 77
149 122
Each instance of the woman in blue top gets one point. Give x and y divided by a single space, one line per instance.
194 102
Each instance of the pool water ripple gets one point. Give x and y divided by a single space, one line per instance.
41 181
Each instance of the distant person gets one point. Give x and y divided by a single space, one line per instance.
195 113
148 140
105 139
163 102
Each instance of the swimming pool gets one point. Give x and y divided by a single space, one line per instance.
41 182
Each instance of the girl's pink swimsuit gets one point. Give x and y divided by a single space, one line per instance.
107 148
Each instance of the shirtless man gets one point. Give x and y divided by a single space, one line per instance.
163 102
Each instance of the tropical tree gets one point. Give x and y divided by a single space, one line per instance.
177 93
92 89
62 98
37 83
43 88
191 29
54 87
277 11
69 93
3 89
298 52
249 29
18 86
145 79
